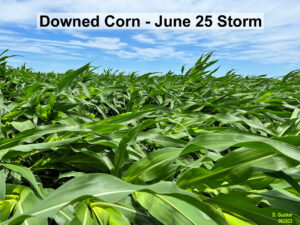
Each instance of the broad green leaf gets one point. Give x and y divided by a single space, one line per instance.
222 140
35 133
154 166
232 220
65 216
161 140
106 187
122 118
38 146
235 167
83 216
22 126
173 210
108 215
70 76
121 153
240 205
278 199
284 176
129 208
26 173
6 208
26 202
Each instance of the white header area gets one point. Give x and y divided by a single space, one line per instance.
190 21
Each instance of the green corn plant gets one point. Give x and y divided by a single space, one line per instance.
110 148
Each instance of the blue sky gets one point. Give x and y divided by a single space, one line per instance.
274 51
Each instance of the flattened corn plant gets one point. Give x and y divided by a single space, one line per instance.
87 149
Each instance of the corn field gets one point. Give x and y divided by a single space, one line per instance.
82 148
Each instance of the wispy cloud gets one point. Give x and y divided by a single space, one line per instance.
35 45
143 38
151 53
100 42
5 32
273 45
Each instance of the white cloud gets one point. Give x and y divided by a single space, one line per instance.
77 34
100 42
65 57
58 49
142 38
274 45
151 53
5 32
124 54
